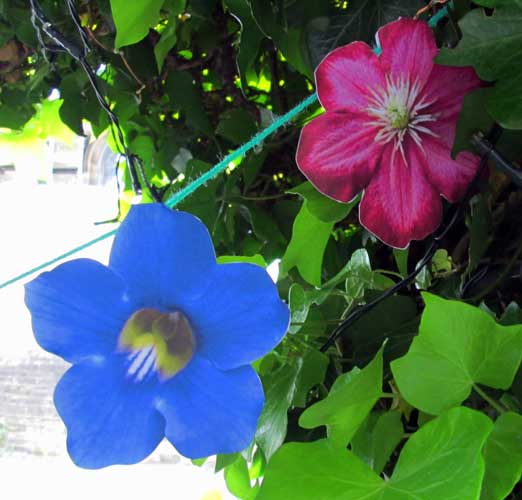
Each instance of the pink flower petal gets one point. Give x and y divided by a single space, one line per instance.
345 76
408 49
449 177
338 154
447 87
399 204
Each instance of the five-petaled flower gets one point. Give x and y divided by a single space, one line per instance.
388 129
160 341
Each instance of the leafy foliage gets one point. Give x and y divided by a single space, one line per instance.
429 397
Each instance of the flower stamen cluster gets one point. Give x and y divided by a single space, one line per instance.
397 109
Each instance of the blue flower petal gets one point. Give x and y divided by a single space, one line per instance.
163 254
240 317
109 419
209 411
78 309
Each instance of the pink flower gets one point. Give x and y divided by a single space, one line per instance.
388 129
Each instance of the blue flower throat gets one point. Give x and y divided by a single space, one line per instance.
158 342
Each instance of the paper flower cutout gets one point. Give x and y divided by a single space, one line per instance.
388 129
160 342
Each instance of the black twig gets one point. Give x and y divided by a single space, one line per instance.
79 53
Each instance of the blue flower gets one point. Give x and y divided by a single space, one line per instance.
160 342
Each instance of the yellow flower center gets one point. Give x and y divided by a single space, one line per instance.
161 342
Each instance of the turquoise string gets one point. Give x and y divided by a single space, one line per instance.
210 174
223 164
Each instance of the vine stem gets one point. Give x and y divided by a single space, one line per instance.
488 399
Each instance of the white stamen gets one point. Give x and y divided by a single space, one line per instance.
142 361
396 110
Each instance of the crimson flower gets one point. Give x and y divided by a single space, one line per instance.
388 129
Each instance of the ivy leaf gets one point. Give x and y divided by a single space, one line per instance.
375 441
503 455
287 37
238 480
316 471
512 315
473 117
311 373
394 319
322 207
480 230
493 46
441 460
458 345
168 36
306 249
166 42
184 95
272 424
286 387
360 276
133 19
311 232
257 259
360 20
299 307
236 125
250 37
349 402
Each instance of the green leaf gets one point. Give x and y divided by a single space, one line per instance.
184 95
311 232
442 460
238 480
473 118
349 402
322 207
286 387
401 259
493 46
360 276
272 424
480 230
307 246
359 21
458 345
317 471
311 372
224 460
257 259
133 19
512 315
289 39
299 306
377 438
250 37
394 320
166 42
236 125
503 455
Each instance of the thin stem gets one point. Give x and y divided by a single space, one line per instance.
488 399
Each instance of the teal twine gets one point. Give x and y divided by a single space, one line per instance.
210 174
252 143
